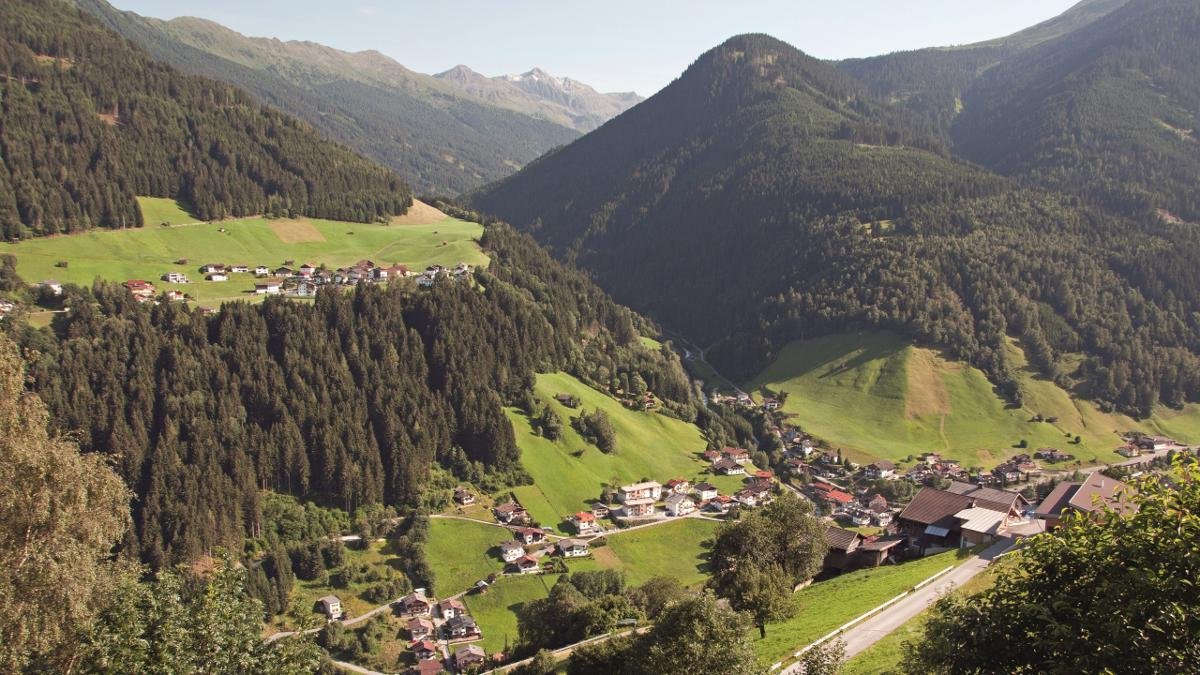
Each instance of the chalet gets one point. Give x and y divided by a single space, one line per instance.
425 649
530 535
764 477
746 498
600 510
712 455
305 289
511 550
647 490
881 469
679 486
510 512
1053 455
876 551
1129 451
462 626
262 271
175 278
584 522
463 496
796 466
882 518
471 656
526 565
284 271
771 404
414 604
306 270
680 505
638 508
728 467
52 286
878 503
706 491
720 504
739 455
860 518
1094 495
930 519
419 628
268 286
429 667
331 606
843 548
212 268
239 269
216 276
979 525
426 280
175 296
142 290
450 608
572 548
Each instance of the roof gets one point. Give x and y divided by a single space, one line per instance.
979 519
584 517
414 597
469 650
453 603
677 481
647 485
725 463
424 645
989 498
884 465
638 502
329 600
677 499
571 543
530 531
840 539
933 506
883 543
525 561
734 451
839 497
419 621
705 487
1093 494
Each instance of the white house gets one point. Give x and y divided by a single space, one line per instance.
426 280
648 490
331 606
706 491
52 285
268 286
584 522
510 551
175 277
217 276
572 548
239 269
262 271
680 505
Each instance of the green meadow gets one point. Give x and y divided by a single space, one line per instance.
461 553
672 550
496 610
825 605
151 251
649 445
877 395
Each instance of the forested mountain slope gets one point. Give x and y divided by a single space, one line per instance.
440 138
88 121
933 81
1108 111
766 196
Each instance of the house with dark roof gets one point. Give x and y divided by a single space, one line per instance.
462 626
881 469
1094 495
931 518
471 656
843 548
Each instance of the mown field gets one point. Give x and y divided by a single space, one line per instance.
496 610
462 552
671 550
151 251
825 605
649 445
877 395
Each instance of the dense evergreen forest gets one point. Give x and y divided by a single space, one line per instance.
348 401
88 121
765 197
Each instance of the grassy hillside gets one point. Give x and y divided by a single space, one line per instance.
648 445
462 553
826 605
496 610
672 550
878 395
149 252
159 210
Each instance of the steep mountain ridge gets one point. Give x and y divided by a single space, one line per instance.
440 139
766 196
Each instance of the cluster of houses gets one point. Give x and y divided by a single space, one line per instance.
1136 444
431 625
144 291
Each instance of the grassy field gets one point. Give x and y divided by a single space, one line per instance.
648 445
149 252
159 210
462 553
496 610
673 550
828 604
878 396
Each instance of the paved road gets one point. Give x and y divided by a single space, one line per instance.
867 633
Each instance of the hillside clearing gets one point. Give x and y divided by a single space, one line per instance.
159 210
648 446
149 252
671 550
462 552
878 395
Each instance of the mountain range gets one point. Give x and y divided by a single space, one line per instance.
445 134
767 196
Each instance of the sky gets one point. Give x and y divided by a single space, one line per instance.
613 45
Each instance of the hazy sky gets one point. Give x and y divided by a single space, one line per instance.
614 45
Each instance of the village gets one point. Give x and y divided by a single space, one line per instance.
301 281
